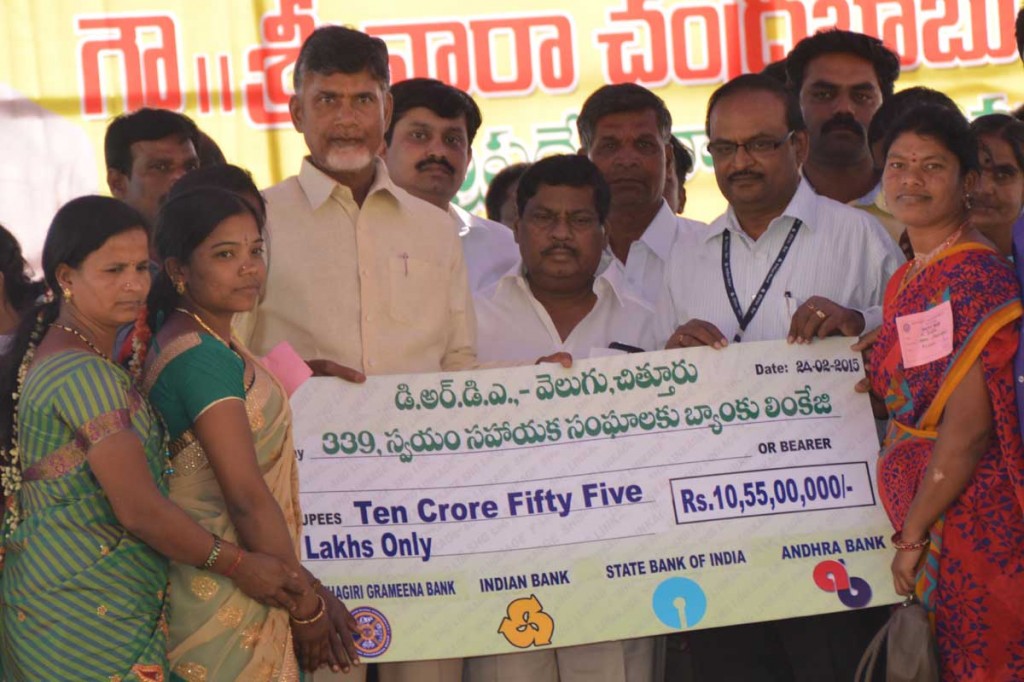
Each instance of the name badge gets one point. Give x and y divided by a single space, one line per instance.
926 337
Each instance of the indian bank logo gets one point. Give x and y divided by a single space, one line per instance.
525 624
832 576
679 603
373 632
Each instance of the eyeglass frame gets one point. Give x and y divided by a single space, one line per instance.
772 146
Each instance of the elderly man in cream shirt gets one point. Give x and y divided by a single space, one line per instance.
554 302
364 278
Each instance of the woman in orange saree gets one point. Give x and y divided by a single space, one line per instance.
951 473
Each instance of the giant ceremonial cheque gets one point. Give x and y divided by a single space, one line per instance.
500 510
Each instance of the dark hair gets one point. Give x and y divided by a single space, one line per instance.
184 221
836 41
141 126
19 289
777 70
340 49
564 170
758 82
497 191
208 151
79 228
901 102
1018 32
442 99
225 176
617 99
950 129
682 157
1006 128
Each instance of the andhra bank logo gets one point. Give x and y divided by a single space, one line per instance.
831 576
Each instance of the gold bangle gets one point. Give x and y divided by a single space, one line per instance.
214 553
897 542
321 610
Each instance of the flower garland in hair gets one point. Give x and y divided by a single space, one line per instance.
10 473
140 337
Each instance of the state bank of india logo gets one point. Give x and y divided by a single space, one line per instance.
373 632
832 576
679 603
525 624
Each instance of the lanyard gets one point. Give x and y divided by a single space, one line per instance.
730 288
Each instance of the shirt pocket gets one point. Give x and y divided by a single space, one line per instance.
419 291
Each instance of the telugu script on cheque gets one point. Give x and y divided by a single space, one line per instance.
506 510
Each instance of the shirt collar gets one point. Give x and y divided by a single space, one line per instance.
869 199
609 282
463 218
660 235
318 186
802 206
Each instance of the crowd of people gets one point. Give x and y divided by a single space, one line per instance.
151 507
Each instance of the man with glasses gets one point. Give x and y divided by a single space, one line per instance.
555 301
782 263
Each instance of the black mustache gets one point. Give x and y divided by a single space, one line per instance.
435 160
559 247
739 175
842 122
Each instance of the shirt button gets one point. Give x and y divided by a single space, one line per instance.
367 317
371 363
1020 379
365 272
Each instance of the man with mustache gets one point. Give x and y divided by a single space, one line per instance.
364 278
782 263
625 129
429 147
842 78
555 301
146 152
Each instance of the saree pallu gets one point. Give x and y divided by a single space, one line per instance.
972 579
216 631
81 598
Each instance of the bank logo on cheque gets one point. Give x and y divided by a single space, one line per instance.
832 576
373 632
525 624
679 603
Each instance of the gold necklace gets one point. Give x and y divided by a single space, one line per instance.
80 335
921 260
202 323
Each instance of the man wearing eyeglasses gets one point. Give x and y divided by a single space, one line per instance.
782 263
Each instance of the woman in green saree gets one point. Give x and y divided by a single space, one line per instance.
235 468
87 525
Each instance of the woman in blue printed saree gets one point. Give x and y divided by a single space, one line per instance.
951 473
236 472
86 525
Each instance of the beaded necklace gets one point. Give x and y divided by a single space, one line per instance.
82 337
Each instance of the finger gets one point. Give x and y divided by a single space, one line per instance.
345 625
330 368
565 359
810 326
796 323
295 585
863 386
831 324
285 601
701 333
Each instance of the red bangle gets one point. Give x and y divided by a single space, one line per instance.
897 542
235 564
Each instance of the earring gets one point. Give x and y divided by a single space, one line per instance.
66 293
968 202
179 286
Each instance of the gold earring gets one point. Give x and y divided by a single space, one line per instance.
179 286
66 293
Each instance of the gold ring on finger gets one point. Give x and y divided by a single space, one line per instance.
821 314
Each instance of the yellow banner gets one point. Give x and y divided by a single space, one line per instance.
530 67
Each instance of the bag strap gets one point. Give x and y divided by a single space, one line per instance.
868 662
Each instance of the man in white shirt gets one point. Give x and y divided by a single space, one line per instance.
556 302
429 149
625 129
364 278
782 262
